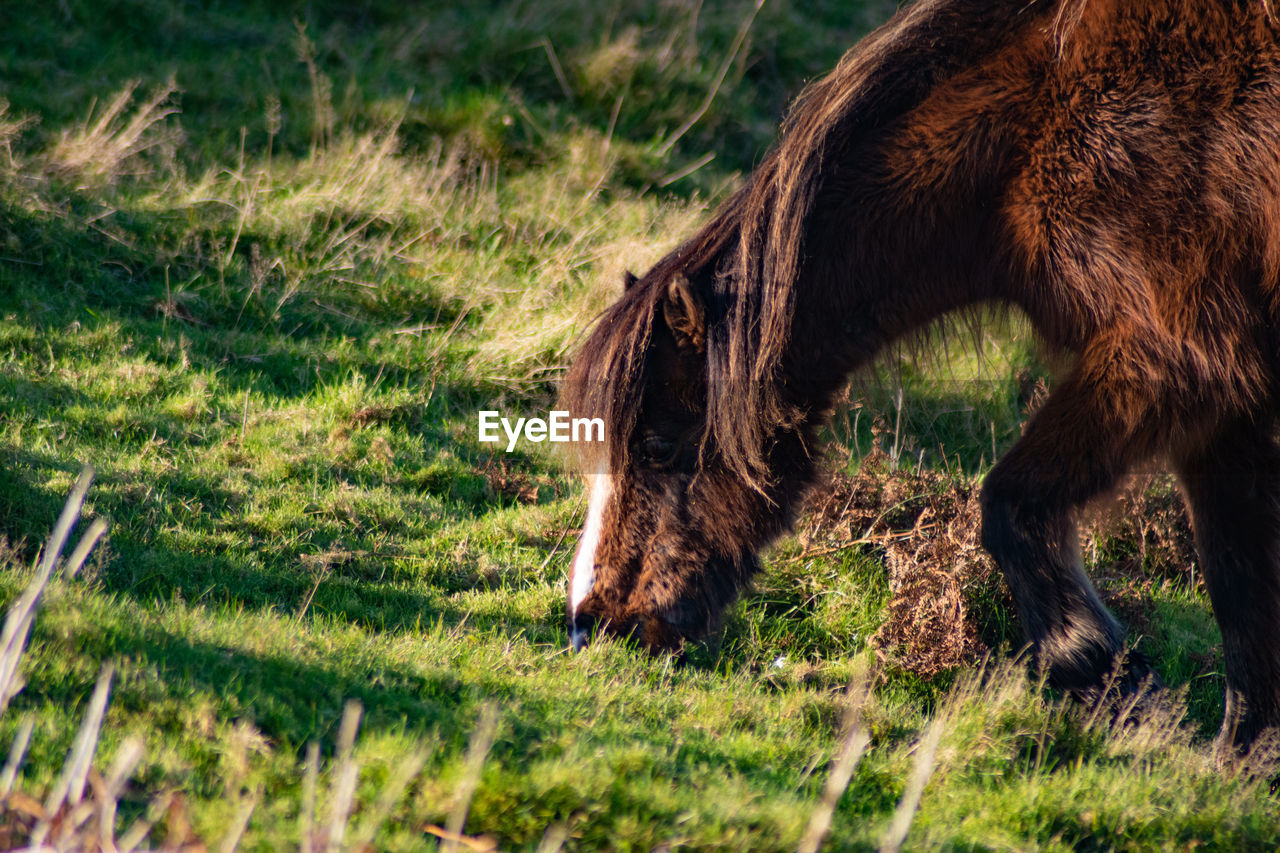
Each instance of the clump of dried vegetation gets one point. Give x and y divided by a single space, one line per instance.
926 525
109 139
1143 532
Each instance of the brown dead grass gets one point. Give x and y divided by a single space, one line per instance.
504 479
1137 540
1143 531
927 527
110 136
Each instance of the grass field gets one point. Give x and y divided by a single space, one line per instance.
262 263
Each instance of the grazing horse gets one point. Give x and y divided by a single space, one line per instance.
1111 169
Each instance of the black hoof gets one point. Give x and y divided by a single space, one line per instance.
1127 692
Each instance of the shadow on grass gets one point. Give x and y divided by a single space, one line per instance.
290 701
27 511
132 278
373 591
476 72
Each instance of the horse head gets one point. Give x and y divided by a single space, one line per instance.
672 525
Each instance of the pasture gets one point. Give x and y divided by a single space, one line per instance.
262 264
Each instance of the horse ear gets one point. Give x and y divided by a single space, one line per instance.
628 280
685 314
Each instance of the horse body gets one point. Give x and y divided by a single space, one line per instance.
1111 169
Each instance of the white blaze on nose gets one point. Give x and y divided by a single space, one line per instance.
584 563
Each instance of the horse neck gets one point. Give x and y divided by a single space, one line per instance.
871 280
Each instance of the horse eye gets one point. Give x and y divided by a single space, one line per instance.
657 449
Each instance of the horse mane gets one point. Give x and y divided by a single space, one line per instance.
606 378
881 79
752 251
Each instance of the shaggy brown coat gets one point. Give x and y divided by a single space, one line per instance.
1111 168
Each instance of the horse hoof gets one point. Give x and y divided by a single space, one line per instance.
1128 693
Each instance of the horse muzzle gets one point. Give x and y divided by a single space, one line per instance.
654 635
581 627
578 637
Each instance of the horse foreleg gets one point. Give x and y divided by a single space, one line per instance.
1076 447
1233 486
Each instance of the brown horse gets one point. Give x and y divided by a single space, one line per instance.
1111 168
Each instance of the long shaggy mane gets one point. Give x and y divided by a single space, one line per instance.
754 248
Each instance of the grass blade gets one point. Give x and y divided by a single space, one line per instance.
344 785
404 774
481 742
307 815
18 621
18 751
70 786
921 770
82 550
856 740
239 823
131 752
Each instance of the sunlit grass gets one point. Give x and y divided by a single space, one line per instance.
269 320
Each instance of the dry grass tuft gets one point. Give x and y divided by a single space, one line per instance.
928 525
612 65
100 147
1144 531
10 129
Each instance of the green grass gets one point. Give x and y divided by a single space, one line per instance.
269 319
